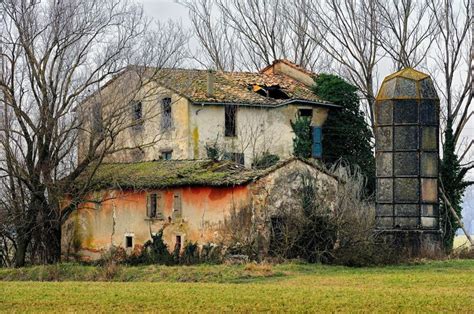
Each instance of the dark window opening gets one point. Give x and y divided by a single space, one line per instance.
272 91
154 206
137 115
97 123
238 158
167 155
177 246
230 120
305 113
129 242
166 117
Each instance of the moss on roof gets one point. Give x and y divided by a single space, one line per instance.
168 173
173 173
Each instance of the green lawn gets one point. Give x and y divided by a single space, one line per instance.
444 286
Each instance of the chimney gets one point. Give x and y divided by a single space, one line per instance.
211 78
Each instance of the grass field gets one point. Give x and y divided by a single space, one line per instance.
430 287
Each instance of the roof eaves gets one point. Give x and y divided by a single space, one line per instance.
276 105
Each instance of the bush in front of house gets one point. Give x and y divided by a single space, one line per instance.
343 236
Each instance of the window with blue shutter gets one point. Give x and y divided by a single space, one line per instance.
317 149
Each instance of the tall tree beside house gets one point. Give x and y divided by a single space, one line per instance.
53 56
346 133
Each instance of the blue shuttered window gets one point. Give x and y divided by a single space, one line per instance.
317 149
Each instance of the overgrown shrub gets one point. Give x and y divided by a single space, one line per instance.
265 161
211 253
190 254
344 235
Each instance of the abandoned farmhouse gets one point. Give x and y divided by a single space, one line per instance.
166 180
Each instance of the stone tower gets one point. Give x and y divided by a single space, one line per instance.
407 153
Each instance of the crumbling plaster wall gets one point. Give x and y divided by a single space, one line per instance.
95 227
151 138
258 130
278 193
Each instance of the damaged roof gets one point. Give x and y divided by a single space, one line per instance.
174 173
237 88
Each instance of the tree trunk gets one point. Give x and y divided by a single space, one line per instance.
20 253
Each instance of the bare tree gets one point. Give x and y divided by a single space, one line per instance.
55 55
251 34
220 49
407 31
348 32
451 61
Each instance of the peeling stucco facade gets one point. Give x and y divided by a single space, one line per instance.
259 128
114 214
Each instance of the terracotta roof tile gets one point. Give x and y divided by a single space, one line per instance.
235 87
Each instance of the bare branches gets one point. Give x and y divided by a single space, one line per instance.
407 31
55 55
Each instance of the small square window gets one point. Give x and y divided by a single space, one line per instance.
305 113
167 155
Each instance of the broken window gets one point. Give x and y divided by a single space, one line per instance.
272 91
177 205
97 123
128 241
230 120
137 115
154 206
305 113
166 117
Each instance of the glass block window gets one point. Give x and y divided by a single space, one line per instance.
384 210
406 137
385 190
405 111
383 137
406 163
428 112
384 164
429 190
429 222
384 112
406 190
406 210
427 89
405 88
429 210
406 223
429 164
429 139
384 222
